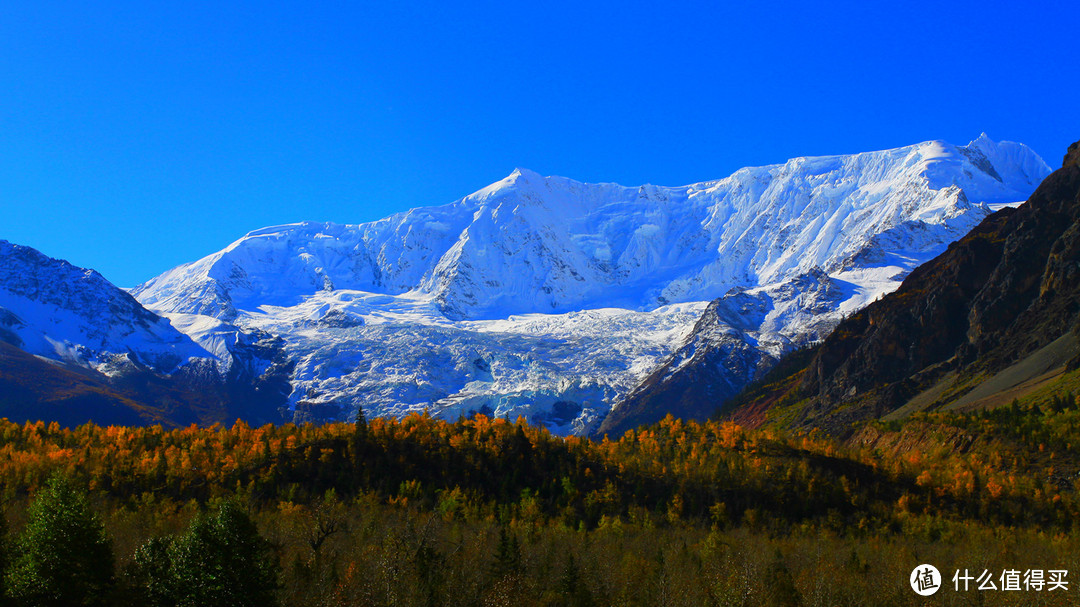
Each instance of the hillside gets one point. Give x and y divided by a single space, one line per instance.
994 314
75 348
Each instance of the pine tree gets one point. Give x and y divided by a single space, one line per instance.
507 555
220 561
361 426
148 576
63 556
5 555
358 446
572 588
780 586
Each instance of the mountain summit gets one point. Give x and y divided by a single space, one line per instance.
549 244
551 298
990 319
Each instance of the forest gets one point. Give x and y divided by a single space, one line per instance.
485 511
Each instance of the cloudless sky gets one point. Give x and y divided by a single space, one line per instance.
136 136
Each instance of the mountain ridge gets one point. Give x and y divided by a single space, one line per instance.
537 296
452 253
76 348
523 275
89 321
1005 294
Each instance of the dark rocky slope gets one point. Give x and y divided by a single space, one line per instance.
715 362
75 348
1007 290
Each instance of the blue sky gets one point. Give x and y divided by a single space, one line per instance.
134 138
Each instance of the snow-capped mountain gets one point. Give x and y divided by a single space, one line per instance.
98 354
990 320
53 309
551 298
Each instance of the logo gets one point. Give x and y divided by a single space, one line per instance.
925 580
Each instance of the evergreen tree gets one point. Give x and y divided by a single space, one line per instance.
220 561
4 556
63 556
780 586
428 563
149 574
572 588
360 427
358 446
507 555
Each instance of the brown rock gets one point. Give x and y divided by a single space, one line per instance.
1072 157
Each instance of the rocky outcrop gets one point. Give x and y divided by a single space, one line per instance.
1008 288
110 360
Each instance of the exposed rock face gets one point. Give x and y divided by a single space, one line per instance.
114 361
51 308
738 337
1008 288
1072 157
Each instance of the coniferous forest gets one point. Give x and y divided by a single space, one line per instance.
492 512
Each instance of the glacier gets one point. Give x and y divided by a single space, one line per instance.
554 299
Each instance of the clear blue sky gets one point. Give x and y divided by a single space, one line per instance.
134 138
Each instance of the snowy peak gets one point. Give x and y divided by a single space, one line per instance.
529 243
524 174
973 327
983 168
551 298
53 309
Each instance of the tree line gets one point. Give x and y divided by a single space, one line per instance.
487 511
